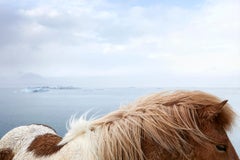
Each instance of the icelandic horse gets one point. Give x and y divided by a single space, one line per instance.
181 125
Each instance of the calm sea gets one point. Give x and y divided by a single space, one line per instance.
54 106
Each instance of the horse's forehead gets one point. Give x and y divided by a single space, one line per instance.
215 131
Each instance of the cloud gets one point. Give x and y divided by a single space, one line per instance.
106 38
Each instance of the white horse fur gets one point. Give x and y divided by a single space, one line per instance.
81 145
18 139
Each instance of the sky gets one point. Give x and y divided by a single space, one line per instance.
113 43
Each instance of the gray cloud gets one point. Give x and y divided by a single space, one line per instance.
10 22
104 38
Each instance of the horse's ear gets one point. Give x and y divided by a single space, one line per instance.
213 110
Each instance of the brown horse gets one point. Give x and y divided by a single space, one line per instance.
167 126
183 125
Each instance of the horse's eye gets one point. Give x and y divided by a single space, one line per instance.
221 147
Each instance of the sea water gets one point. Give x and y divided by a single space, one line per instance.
55 105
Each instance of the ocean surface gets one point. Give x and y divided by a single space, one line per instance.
55 105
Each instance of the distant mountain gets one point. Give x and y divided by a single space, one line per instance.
31 77
24 79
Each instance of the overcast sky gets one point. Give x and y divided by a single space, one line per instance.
121 43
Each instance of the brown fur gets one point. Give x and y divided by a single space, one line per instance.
165 126
45 145
6 154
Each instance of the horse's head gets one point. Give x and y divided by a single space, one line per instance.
214 121
201 121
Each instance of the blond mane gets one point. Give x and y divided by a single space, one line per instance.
165 118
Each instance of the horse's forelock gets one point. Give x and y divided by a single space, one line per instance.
212 108
209 107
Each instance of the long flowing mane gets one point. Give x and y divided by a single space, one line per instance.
167 119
